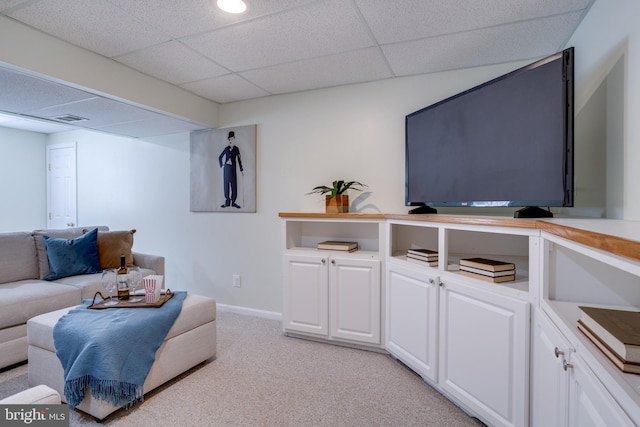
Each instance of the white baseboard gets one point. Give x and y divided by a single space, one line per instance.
249 311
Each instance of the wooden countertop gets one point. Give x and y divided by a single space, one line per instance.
619 237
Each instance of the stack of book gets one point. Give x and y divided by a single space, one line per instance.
488 269
616 333
423 256
332 245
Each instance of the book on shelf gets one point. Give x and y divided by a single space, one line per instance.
422 257
423 262
619 329
487 272
334 245
623 365
423 252
487 264
500 279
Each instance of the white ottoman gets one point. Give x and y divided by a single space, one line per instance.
190 341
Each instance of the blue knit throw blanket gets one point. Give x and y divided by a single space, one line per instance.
111 351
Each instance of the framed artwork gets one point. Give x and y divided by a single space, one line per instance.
223 170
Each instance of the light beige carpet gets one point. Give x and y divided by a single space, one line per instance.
262 378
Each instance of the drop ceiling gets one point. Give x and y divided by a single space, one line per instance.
284 46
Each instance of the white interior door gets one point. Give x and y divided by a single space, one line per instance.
61 186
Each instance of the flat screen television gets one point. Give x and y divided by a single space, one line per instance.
506 142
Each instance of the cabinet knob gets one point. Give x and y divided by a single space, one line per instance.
333 261
558 352
566 365
324 261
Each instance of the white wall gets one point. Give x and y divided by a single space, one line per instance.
23 201
608 38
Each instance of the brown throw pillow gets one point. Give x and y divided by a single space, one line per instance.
113 244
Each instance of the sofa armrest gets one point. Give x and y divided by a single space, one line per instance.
153 262
38 395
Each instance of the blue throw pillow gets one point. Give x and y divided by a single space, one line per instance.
69 257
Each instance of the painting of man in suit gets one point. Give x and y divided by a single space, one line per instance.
229 159
223 170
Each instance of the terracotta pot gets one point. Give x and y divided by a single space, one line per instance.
337 204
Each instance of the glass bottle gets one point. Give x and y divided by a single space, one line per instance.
123 280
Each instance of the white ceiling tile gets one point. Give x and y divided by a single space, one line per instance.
92 24
340 69
41 126
227 88
318 29
182 18
404 20
173 62
8 4
524 40
98 111
21 93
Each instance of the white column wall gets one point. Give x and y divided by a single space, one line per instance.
23 196
610 33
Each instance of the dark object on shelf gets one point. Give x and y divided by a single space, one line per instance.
487 264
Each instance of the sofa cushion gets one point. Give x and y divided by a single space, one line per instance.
17 257
112 245
69 257
63 233
22 300
88 284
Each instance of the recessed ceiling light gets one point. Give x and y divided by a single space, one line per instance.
232 6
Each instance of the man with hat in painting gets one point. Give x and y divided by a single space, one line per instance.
228 159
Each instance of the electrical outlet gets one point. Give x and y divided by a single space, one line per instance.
236 281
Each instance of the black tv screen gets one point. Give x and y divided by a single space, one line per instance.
507 142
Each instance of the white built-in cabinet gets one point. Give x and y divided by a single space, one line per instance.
510 353
333 295
412 302
467 337
590 262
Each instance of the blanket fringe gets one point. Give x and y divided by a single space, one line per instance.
119 393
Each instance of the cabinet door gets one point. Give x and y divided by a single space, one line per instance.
590 404
412 319
549 379
306 294
354 299
484 345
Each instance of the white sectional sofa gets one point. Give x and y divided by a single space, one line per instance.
24 292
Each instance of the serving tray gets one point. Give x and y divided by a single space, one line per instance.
127 304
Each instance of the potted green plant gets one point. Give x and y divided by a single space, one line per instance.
336 199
